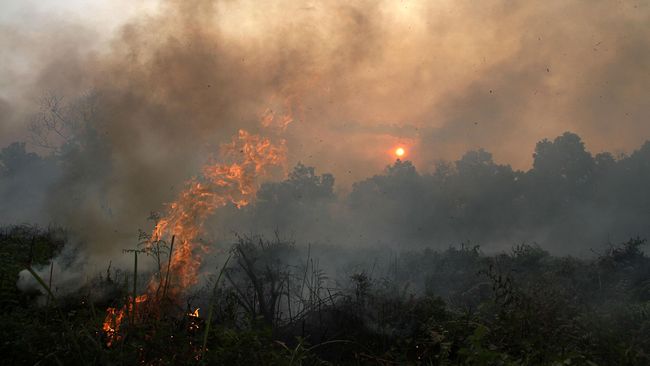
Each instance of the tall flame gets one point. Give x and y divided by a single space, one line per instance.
220 184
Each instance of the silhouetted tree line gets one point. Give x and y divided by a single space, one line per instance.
569 201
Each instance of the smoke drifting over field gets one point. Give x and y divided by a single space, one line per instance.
151 103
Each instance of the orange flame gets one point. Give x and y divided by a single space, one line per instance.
115 317
222 184
282 116
112 323
252 157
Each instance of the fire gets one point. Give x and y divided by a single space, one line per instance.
112 323
193 320
115 317
281 114
252 158
220 185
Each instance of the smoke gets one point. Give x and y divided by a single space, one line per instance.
562 66
171 84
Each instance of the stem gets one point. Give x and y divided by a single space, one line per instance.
41 282
50 285
135 285
63 318
169 263
211 310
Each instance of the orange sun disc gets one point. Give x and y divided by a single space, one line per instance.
400 151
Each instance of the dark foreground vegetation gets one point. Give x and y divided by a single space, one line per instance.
273 305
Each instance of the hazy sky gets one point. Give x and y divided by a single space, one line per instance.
28 31
356 79
439 77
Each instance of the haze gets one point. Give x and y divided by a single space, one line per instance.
168 82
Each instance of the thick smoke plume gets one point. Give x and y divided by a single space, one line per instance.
141 109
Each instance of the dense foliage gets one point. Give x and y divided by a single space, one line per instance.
274 305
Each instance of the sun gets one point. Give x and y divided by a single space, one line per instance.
399 152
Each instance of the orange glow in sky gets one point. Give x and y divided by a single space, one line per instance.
399 152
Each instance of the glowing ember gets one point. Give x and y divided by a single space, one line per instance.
194 320
236 183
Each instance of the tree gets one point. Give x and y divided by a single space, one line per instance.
25 181
484 194
15 158
299 202
562 175
564 162
302 185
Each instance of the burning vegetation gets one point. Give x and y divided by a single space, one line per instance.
253 157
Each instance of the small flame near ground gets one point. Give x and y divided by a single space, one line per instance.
252 158
194 320
114 318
